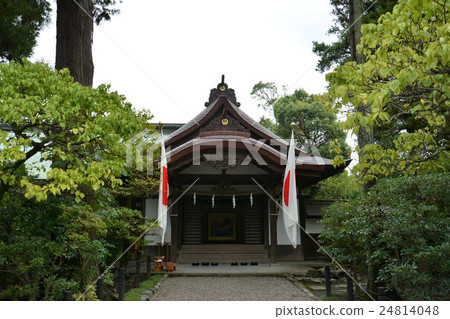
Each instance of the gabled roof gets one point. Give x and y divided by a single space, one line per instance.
193 127
222 119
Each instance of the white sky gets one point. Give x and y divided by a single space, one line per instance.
184 47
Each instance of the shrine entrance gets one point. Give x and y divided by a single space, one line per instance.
227 167
224 221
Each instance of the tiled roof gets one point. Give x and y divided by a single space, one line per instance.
193 122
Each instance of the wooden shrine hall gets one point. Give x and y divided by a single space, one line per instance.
229 167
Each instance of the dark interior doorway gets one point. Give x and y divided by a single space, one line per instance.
222 224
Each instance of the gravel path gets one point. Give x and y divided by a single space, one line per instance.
228 288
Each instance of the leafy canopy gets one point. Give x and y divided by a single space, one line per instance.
339 52
22 20
341 186
313 120
80 130
405 82
20 24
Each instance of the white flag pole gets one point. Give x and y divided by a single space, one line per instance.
163 193
289 202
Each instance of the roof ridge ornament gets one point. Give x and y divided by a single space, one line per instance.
222 90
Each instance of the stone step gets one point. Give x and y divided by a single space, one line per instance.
215 248
222 260
225 253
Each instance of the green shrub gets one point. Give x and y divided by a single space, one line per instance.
48 247
400 232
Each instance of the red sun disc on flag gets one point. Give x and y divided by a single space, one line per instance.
165 184
286 189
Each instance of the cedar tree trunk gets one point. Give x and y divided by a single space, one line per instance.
74 30
365 134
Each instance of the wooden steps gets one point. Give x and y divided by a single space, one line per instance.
222 253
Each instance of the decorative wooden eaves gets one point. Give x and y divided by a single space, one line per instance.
223 120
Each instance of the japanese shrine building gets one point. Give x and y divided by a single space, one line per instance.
229 166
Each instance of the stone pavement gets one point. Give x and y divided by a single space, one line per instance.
240 288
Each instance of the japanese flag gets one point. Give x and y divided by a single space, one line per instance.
163 193
289 202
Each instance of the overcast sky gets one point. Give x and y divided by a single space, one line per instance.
166 55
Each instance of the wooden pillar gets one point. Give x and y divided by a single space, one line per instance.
328 280
266 223
302 222
68 296
121 284
180 223
273 232
174 233
350 295
99 289
137 275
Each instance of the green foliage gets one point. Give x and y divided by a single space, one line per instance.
314 122
22 20
104 9
266 93
85 241
400 228
48 247
268 123
342 186
79 129
137 185
338 53
20 24
51 241
124 226
135 293
404 82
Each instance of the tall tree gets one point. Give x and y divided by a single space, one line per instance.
74 34
404 84
401 90
79 130
365 134
20 24
356 21
346 12
50 240
350 16
314 122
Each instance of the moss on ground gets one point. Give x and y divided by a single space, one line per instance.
135 293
